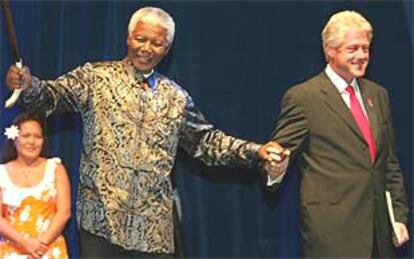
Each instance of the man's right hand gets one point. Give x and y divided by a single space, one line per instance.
18 78
277 160
276 169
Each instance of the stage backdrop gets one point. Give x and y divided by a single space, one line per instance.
235 58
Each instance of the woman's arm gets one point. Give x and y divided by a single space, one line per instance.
63 207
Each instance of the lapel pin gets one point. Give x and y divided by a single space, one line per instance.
370 103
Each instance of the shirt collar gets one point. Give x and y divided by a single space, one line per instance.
150 77
338 81
148 74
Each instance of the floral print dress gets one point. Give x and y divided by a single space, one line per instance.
30 211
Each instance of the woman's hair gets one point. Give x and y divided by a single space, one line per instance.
9 151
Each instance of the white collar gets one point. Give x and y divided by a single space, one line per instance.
338 81
148 74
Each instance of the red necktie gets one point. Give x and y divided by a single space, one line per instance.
362 122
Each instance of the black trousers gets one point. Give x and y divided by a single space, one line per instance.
375 251
93 246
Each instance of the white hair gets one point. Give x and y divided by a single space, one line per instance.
339 24
154 16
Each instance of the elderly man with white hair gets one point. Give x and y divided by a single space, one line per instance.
133 121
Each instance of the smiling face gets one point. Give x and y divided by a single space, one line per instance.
147 46
29 143
351 58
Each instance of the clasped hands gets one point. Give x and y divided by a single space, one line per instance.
275 159
35 248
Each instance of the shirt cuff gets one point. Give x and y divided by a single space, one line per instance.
271 181
277 168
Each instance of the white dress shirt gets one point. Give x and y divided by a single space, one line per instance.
341 85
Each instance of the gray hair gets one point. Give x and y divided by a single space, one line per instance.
339 24
154 16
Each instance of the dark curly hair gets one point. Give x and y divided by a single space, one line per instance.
9 151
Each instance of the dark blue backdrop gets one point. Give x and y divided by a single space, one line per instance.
236 58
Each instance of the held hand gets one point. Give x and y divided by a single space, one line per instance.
402 232
275 169
34 248
273 152
18 78
275 159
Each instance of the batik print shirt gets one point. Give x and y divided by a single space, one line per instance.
130 140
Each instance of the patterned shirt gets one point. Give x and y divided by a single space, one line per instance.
130 139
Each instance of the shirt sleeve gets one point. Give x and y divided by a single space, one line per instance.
212 146
67 93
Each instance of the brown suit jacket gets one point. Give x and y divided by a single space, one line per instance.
342 191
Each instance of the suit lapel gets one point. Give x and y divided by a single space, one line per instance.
334 101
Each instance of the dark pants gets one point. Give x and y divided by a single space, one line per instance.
93 246
375 248
375 252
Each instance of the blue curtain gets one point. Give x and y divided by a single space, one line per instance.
235 58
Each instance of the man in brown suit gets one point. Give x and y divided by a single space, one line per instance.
340 127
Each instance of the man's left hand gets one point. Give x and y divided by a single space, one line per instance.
402 233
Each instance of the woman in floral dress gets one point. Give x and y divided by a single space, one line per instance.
34 194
